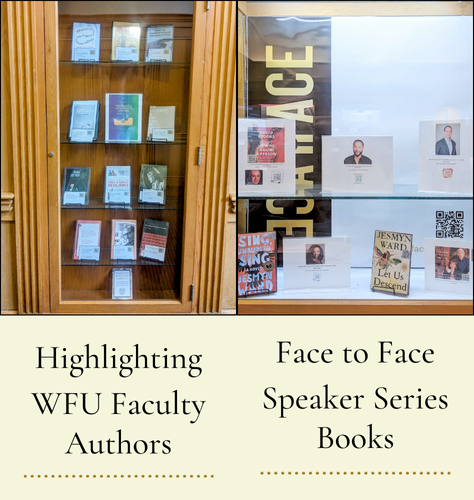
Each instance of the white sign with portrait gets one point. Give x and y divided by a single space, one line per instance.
316 263
361 163
445 159
448 265
267 158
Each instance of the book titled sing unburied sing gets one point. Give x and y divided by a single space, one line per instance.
123 117
391 263
257 263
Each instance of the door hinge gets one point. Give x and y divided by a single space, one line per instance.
192 293
199 156
208 6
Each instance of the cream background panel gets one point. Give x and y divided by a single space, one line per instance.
235 438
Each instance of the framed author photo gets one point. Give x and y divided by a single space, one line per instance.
358 163
445 156
448 265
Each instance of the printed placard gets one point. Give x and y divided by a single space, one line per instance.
448 265
445 156
363 164
316 263
266 156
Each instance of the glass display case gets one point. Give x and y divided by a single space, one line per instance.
157 285
372 92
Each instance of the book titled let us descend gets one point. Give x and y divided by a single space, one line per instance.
257 263
123 117
125 41
85 42
117 185
391 263
154 238
152 184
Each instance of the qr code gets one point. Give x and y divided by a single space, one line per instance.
449 224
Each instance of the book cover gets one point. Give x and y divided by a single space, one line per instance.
76 185
87 240
391 263
154 238
84 120
161 123
125 41
123 117
85 42
124 239
159 43
257 271
117 185
152 184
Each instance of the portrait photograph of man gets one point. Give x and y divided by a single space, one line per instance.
357 158
253 177
447 145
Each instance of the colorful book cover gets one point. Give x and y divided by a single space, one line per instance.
159 43
391 263
125 41
76 185
117 185
85 42
152 184
154 238
257 270
123 117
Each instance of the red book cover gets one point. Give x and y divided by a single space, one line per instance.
266 145
257 263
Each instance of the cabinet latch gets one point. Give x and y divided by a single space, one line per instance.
208 6
192 293
199 156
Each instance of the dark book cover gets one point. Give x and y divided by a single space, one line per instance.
154 239
76 180
152 188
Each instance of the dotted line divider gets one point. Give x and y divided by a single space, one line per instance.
356 473
115 476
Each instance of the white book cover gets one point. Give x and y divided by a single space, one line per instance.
448 265
159 43
316 263
117 185
267 161
360 163
85 42
161 121
445 156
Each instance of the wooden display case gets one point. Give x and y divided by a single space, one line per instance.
81 286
